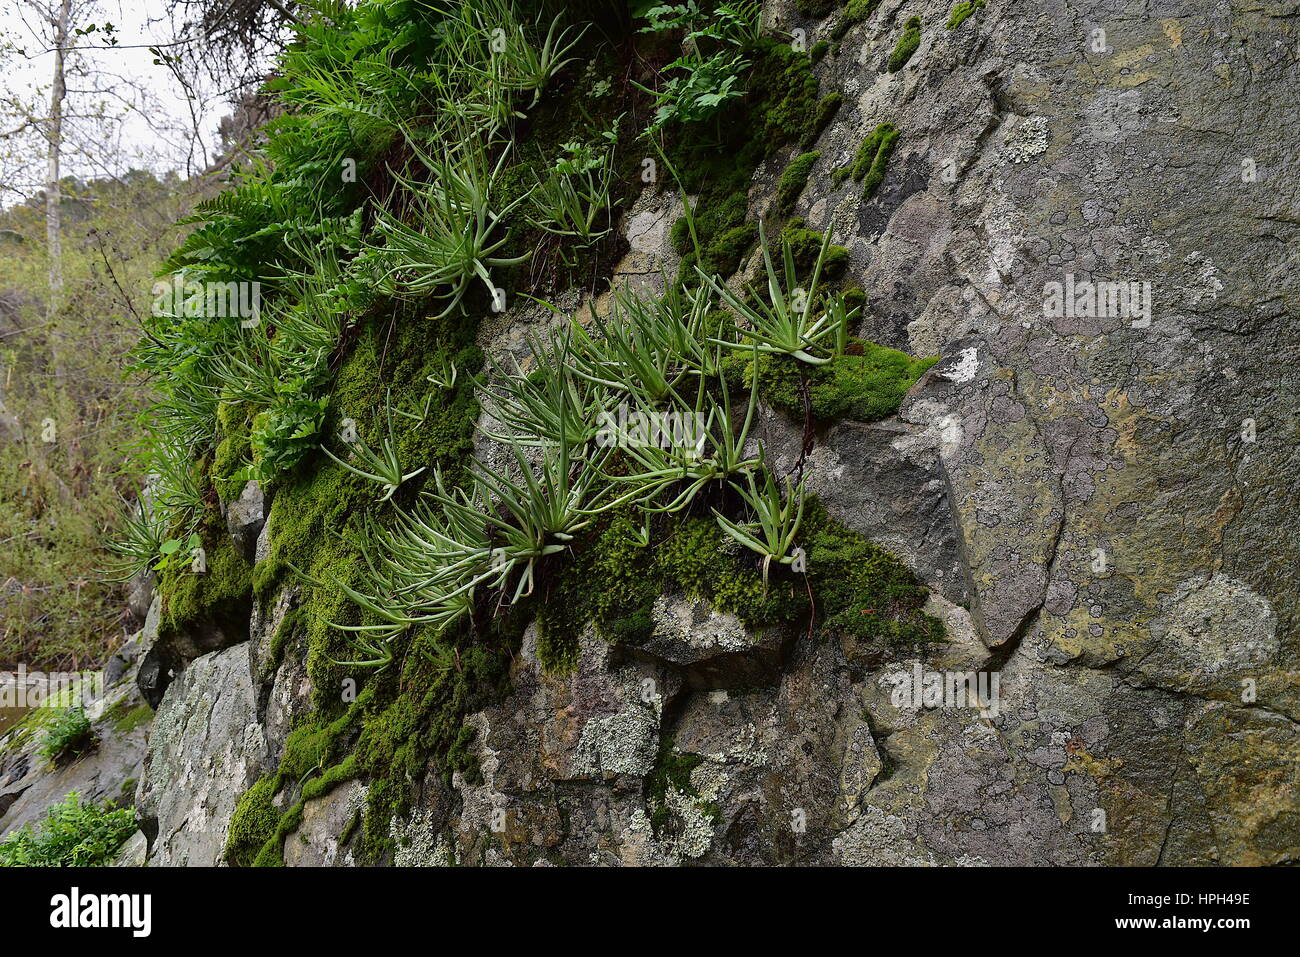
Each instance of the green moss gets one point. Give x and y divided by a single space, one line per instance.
854 13
253 824
218 597
827 107
700 560
671 772
717 165
866 594
961 11
866 384
815 8
907 43
125 719
317 503
723 255
819 51
806 244
234 451
793 180
871 160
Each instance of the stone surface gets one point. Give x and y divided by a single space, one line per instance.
317 842
206 748
30 783
245 517
1080 482
1099 504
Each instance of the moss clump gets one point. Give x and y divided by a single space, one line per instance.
961 11
819 51
864 593
827 107
867 383
872 158
854 13
258 828
906 45
717 164
384 725
806 244
409 720
234 452
253 824
723 255
815 8
125 720
615 578
671 772
793 180
219 597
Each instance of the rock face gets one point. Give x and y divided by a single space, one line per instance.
205 749
1097 494
108 771
1105 488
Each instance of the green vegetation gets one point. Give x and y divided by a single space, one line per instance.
815 8
907 43
793 180
716 163
855 12
962 10
867 382
65 413
700 83
67 735
415 564
73 834
868 166
672 772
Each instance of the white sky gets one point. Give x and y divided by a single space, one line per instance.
159 143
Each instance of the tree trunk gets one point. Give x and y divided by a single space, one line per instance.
53 194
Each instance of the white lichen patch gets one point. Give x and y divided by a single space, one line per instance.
965 368
698 625
622 743
1028 140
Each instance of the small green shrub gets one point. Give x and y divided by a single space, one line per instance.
68 735
906 45
73 834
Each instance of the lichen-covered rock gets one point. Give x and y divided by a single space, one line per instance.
326 821
1095 494
206 748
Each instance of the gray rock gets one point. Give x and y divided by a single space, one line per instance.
134 852
245 517
206 749
140 594
108 771
317 842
